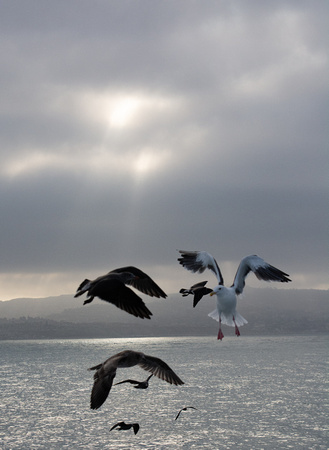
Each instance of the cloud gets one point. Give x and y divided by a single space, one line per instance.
131 129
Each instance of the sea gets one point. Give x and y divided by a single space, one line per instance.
264 392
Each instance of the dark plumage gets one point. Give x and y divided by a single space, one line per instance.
198 290
126 426
184 409
139 384
112 288
106 371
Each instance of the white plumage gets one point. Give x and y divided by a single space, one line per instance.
226 312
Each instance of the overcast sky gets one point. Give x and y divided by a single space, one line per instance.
131 129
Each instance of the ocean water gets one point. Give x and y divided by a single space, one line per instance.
250 393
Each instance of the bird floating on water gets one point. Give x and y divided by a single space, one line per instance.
226 312
184 409
126 426
112 288
139 384
106 371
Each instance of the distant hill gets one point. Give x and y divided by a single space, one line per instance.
268 311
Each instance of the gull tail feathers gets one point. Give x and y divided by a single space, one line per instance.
227 319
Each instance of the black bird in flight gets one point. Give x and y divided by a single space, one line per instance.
112 288
106 372
198 290
126 426
184 409
139 384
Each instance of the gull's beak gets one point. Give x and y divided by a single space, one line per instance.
212 293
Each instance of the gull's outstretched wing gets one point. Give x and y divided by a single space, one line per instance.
142 282
114 291
160 369
200 261
101 388
261 269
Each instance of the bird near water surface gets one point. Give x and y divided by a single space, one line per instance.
126 426
184 409
226 313
112 288
139 384
106 372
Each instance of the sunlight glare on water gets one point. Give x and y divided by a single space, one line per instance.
251 392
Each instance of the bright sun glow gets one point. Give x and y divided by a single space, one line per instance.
110 111
148 162
144 162
122 111
29 163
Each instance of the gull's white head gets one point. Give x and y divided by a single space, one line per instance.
216 290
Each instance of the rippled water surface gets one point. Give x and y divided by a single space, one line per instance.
250 393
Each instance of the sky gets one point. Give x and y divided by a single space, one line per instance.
131 129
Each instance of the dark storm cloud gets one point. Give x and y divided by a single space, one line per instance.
221 143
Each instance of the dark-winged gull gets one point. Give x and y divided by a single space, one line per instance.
106 371
126 426
226 312
139 384
112 288
198 290
184 409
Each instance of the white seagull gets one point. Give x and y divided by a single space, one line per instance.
226 312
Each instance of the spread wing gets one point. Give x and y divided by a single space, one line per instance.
198 290
178 414
128 381
101 388
261 269
143 282
184 409
160 369
115 291
84 286
135 427
200 261
119 424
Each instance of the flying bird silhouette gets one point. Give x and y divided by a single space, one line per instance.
126 426
226 312
106 371
139 384
184 409
112 288
198 290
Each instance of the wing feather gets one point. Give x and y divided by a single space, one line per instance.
114 291
196 261
142 282
261 269
160 369
101 388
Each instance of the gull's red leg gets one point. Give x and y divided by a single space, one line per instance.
220 333
237 331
